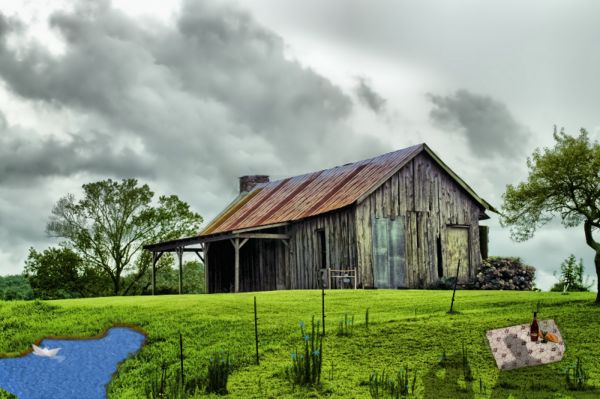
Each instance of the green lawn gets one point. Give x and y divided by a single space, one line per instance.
406 328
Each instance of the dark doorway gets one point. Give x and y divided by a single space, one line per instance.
322 248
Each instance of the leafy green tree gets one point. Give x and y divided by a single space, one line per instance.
113 221
571 276
563 181
61 273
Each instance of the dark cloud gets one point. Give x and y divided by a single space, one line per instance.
487 124
368 96
25 158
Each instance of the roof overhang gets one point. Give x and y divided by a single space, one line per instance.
182 243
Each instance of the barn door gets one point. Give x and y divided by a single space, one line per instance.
388 253
458 249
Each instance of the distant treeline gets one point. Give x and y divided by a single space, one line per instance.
15 287
64 284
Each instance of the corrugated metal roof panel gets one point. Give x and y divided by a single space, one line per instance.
310 194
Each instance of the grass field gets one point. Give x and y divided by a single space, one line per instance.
406 329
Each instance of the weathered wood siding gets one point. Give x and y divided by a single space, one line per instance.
271 265
305 257
428 200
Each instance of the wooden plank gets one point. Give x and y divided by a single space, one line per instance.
358 228
394 197
414 248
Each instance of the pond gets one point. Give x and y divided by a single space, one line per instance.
81 369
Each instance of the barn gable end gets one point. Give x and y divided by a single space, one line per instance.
429 202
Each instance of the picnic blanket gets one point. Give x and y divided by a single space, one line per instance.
512 347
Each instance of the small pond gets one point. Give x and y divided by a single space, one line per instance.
81 369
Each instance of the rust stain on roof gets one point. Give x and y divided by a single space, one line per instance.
311 194
307 195
215 223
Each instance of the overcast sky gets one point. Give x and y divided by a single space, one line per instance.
188 96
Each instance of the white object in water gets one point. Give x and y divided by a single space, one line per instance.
44 352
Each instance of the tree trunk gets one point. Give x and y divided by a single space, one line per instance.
597 263
589 240
117 284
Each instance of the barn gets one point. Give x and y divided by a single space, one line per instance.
400 220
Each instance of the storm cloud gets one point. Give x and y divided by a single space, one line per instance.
214 89
24 159
368 96
487 125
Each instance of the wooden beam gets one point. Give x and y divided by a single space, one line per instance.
268 226
173 244
266 236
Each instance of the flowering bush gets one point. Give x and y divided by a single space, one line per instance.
306 364
504 274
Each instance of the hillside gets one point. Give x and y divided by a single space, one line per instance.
406 328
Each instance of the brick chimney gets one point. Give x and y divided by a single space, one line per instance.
247 183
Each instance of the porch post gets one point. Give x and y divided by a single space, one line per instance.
180 256
206 246
236 245
154 260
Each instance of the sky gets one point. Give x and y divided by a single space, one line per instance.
188 96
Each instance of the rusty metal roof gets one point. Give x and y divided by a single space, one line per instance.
311 194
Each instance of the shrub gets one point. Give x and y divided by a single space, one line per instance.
306 365
219 369
576 376
444 283
165 385
383 386
346 325
571 276
466 365
504 274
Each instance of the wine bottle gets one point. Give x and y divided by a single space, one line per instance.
534 332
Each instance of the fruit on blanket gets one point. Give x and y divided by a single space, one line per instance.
552 337
548 336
